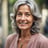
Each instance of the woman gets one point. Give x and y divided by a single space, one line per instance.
26 24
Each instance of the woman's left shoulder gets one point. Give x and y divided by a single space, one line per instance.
43 40
42 37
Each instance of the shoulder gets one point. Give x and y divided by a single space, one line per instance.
39 41
43 41
42 38
9 39
11 36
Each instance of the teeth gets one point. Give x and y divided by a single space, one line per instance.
23 23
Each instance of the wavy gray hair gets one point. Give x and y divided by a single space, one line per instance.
35 12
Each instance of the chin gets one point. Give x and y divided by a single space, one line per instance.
23 28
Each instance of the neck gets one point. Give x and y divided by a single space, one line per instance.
25 34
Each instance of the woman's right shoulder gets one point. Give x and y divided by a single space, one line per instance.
11 36
9 39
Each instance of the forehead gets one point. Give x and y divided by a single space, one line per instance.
24 7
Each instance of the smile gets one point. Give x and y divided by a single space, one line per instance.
23 23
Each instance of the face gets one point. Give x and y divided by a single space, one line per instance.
24 18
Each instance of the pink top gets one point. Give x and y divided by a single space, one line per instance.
36 41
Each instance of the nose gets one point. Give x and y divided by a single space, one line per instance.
23 17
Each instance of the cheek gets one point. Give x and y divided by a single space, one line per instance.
31 20
17 18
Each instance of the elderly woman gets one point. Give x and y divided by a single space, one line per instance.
26 24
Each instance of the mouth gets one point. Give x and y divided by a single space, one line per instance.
23 23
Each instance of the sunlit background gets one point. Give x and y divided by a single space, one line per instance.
6 8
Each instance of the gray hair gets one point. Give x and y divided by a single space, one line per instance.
34 10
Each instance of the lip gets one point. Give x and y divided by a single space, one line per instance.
22 24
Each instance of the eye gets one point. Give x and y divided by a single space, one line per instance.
19 14
28 14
